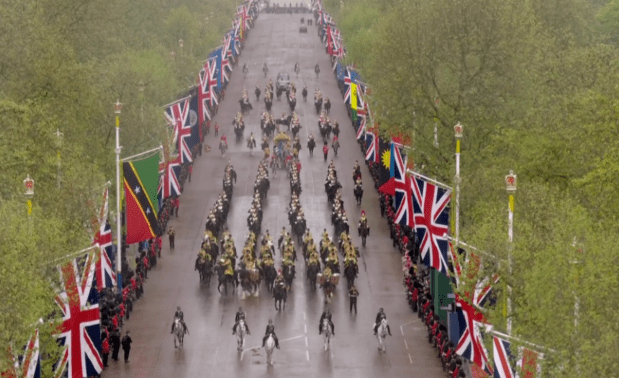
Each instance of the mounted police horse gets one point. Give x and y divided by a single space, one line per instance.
241 331
269 276
289 272
351 271
269 345
381 335
179 332
204 268
325 329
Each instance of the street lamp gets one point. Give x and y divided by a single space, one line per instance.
29 192
117 109
458 129
59 137
510 184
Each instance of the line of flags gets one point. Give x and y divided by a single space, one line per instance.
423 204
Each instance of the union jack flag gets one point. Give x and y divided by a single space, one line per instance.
507 365
431 218
203 97
177 115
210 81
106 277
80 329
371 140
216 55
504 361
361 129
483 290
225 63
168 182
403 190
27 365
470 342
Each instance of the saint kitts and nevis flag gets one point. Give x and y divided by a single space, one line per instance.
141 178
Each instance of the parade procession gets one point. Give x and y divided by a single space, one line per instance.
181 193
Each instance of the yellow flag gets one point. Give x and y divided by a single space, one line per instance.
353 96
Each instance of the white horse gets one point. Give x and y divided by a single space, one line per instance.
269 346
326 331
241 331
179 332
382 333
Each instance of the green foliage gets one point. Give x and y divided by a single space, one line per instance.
63 64
535 85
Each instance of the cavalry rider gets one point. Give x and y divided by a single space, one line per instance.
326 315
240 315
179 314
257 91
224 139
282 237
327 276
270 331
379 317
251 141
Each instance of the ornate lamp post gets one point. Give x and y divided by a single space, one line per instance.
458 129
117 109
510 183
29 192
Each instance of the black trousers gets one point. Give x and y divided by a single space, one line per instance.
172 241
353 303
105 356
115 351
127 354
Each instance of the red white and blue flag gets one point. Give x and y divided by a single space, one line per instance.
507 365
431 220
27 365
105 275
203 98
210 81
177 115
403 188
168 182
79 333
471 323
361 129
371 140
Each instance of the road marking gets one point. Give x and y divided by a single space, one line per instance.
305 325
291 338
410 359
306 341
307 354
405 344
402 330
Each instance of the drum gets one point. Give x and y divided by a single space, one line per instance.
320 278
335 278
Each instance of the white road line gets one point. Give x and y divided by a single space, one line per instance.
410 359
402 330
306 344
412 321
307 354
291 338
405 344
305 326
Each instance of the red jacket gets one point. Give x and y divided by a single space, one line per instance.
105 347
325 149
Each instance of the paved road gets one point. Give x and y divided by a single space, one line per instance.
210 349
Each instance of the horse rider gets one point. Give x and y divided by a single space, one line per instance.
257 92
270 331
179 314
317 69
326 315
252 141
239 315
356 171
265 69
379 317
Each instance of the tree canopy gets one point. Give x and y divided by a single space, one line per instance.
534 84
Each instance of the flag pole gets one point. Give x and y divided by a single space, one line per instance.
510 182
429 179
458 128
142 153
117 109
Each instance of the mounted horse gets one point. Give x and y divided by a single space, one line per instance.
241 331
205 269
364 231
269 345
318 102
250 281
304 93
381 335
245 104
289 272
269 276
325 329
358 191
350 272
223 146
312 274
179 332
225 279
292 101
279 293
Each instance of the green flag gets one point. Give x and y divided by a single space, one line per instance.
141 178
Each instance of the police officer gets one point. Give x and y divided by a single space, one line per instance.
270 331
326 315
